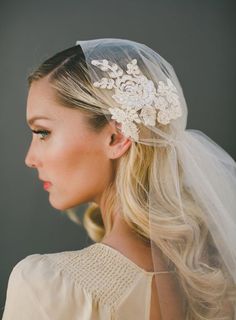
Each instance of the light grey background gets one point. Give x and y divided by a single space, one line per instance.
196 37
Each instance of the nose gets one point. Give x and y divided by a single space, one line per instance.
31 160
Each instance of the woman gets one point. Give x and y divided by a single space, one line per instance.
108 118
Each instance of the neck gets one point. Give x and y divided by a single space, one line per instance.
123 238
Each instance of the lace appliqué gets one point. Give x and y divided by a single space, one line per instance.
140 101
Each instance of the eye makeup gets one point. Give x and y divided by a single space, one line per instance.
44 133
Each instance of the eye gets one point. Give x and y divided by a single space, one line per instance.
44 133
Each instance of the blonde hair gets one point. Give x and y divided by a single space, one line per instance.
207 286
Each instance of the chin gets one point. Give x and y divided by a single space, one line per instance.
65 205
59 205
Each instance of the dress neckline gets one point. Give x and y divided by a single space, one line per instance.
127 260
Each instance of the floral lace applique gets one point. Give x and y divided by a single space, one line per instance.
140 101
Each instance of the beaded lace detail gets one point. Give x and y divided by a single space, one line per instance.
138 98
100 270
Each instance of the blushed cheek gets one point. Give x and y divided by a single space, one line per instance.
92 176
80 172
69 164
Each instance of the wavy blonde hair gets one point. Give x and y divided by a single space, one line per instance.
207 286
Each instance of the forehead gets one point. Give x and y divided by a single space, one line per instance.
40 96
42 102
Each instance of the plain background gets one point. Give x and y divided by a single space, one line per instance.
196 37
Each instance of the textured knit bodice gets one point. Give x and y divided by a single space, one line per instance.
97 282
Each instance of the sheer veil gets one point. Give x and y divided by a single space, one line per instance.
149 103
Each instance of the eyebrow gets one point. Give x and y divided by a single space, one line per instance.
33 119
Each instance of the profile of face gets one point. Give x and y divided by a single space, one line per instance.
77 162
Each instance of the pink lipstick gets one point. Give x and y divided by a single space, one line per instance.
47 185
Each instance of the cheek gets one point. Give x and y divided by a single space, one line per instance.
66 158
86 167
79 173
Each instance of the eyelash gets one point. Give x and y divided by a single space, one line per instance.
41 132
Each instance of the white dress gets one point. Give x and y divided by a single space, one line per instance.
97 282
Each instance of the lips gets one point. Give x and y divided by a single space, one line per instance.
47 185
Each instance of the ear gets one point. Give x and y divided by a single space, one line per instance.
118 144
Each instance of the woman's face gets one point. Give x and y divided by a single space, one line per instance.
74 159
